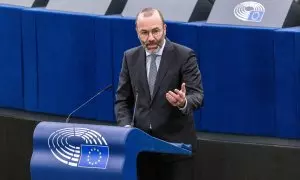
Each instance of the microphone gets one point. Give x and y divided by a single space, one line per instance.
100 92
134 108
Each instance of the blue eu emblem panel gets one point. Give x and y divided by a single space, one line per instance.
94 156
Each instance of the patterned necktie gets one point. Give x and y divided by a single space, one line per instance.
152 73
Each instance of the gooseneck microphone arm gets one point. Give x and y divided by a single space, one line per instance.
100 92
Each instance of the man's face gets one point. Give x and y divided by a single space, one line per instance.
151 31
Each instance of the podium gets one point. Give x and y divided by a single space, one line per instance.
65 151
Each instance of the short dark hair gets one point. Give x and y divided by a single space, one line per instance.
149 12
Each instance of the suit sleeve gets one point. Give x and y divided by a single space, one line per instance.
124 97
194 89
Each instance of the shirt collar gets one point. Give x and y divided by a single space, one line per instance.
160 51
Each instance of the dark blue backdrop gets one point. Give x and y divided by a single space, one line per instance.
52 62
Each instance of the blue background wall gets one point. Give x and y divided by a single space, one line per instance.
52 62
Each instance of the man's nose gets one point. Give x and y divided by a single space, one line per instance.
151 37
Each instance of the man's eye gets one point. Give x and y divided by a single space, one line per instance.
155 31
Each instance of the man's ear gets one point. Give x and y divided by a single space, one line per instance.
137 32
165 28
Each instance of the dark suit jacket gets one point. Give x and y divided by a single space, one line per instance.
178 64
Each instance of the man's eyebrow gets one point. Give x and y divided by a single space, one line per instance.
150 29
156 28
143 30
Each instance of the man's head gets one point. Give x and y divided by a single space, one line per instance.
151 28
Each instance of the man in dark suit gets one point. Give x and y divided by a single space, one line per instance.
164 80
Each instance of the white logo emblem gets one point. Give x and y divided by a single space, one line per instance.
249 11
79 147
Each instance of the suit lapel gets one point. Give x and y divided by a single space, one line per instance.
165 61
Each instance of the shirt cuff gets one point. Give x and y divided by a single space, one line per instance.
182 109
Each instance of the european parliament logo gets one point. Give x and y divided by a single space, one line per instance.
79 147
249 11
